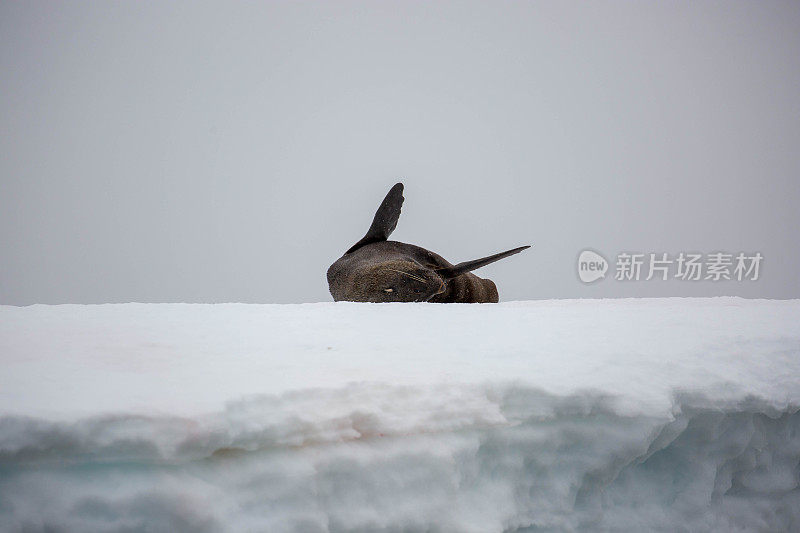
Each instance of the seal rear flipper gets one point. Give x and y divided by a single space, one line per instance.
468 266
385 218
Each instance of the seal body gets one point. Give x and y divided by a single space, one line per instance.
376 269
391 271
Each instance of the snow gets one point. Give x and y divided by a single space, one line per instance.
660 414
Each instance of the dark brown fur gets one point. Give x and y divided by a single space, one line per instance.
378 270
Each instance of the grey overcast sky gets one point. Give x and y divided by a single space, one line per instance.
230 151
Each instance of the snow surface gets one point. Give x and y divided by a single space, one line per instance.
623 415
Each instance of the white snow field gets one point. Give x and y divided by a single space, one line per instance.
581 415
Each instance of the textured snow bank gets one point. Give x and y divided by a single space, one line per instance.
537 416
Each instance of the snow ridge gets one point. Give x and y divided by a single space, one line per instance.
625 415
504 458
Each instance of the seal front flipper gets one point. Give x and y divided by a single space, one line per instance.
385 218
468 266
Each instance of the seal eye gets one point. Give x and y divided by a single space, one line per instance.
388 290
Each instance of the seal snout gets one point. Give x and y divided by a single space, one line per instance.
440 290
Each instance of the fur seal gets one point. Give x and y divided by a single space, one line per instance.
379 270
